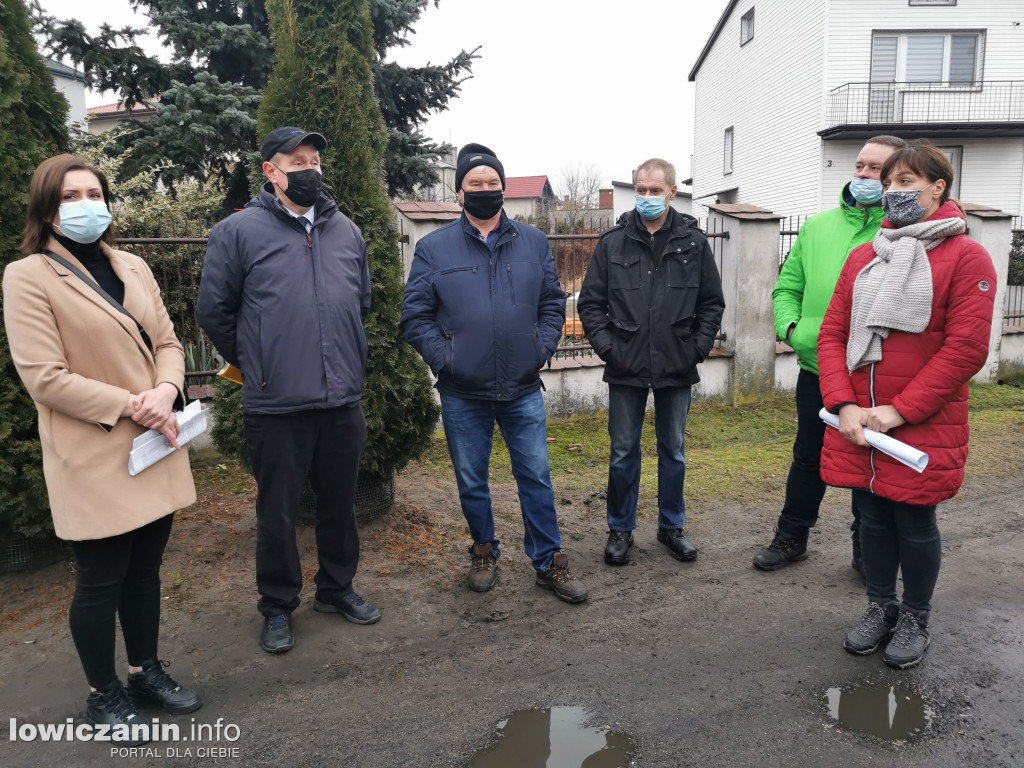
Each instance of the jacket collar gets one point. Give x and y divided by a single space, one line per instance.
849 205
679 224
134 294
325 207
505 227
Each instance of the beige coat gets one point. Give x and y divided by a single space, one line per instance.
80 359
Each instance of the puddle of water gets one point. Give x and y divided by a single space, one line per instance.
888 712
555 738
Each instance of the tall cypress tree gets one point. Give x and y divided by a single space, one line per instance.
323 81
32 128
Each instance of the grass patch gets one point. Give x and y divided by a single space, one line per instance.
733 453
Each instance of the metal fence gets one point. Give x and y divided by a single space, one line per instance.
789 228
988 101
1014 304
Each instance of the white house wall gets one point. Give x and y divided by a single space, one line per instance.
770 92
523 207
74 92
990 172
852 21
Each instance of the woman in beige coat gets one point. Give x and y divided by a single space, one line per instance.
99 379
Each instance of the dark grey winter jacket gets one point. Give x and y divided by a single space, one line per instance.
287 308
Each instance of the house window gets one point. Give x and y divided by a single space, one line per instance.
927 57
727 169
955 156
747 27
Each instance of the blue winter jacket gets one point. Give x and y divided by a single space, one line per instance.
484 322
287 308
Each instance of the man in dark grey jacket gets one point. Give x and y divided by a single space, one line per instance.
651 304
284 293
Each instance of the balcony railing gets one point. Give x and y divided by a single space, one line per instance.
989 101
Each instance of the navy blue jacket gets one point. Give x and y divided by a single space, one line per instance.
287 308
484 322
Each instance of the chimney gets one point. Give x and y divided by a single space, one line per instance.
606 199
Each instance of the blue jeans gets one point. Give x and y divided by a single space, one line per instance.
895 536
627 407
469 428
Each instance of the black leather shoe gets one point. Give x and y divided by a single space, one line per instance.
277 634
351 606
111 706
616 552
154 688
679 546
780 553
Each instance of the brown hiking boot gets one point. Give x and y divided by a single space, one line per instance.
560 579
483 573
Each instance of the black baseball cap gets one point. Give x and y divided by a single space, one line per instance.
288 138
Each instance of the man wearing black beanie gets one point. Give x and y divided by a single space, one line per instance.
484 309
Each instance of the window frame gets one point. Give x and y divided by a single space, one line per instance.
747 20
902 41
728 150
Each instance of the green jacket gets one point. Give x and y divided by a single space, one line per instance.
809 276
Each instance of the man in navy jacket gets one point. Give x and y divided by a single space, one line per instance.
284 293
484 309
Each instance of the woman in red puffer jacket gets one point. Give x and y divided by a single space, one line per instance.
908 326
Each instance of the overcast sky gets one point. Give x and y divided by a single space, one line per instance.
557 81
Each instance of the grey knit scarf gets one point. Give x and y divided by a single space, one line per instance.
894 291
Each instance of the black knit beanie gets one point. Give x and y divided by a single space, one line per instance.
472 155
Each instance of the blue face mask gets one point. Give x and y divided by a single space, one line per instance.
650 207
84 221
866 191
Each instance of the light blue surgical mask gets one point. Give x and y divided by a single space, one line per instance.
650 207
866 191
84 221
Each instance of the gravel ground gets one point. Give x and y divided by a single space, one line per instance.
710 663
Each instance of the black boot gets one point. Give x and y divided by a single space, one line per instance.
111 706
154 689
780 553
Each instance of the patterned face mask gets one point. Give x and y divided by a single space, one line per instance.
902 207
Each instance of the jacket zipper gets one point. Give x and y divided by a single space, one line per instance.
511 285
871 455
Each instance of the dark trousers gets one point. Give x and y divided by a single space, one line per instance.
284 449
804 486
118 576
895 536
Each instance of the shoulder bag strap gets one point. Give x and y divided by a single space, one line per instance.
106 296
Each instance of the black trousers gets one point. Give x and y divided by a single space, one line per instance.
324 445
804 486
118 576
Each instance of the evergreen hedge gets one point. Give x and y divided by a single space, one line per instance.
323 81
32 128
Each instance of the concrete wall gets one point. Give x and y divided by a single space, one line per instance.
1011 354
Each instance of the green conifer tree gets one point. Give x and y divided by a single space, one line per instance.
323 81
32 128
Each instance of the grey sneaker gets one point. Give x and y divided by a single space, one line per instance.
910 641
875 626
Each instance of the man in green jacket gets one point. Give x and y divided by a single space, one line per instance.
801 296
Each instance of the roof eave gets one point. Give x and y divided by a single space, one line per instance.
711 40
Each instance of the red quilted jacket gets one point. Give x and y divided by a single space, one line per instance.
922 375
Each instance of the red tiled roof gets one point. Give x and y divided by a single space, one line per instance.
430 211
118 109
518 187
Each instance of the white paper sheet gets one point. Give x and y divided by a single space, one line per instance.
903 453
149 447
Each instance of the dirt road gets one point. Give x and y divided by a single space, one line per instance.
708 663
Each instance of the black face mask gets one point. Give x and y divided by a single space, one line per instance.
483 205
304 186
